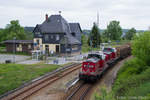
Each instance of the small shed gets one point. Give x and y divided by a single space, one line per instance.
25 46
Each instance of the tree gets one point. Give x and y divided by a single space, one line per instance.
1 34
141 47
129 35
83 39
94 39
13 30
113 31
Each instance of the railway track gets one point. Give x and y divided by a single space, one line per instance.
80 92
38 84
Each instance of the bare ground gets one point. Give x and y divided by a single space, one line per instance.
56 90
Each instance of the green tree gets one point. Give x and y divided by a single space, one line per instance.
83 39
141 47
94 38
113 31
13 30
129 35
1 34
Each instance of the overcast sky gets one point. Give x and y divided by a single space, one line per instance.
130 13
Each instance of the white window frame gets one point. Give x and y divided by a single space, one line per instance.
57 37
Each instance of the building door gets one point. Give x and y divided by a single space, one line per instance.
47 49
57 48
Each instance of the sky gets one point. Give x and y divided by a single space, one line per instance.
130 13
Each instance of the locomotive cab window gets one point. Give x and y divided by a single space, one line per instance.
108 50
94 56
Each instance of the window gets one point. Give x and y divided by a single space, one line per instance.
46 38
58 20
52 36
57 37
29 46
73 34
94 56
17 45
75 47
37 41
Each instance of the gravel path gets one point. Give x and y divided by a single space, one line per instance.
18 58
29 62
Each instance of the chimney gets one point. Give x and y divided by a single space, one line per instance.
59 12
46 17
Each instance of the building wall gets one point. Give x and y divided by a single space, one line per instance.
9 47
27 47
52 47
70 48
76 48
51 38
52 42
38 46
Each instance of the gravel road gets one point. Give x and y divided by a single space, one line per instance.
18 58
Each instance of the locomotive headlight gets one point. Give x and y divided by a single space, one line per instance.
85 65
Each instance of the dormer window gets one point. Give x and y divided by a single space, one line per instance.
73 34
38 41
57 37
46 37
58 20
52 36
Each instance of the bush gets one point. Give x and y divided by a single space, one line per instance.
132 79
104 95
141 47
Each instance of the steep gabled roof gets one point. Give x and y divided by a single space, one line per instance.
57 24
37 28
54 24
75 27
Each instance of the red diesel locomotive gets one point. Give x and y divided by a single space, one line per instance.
96 63
93 67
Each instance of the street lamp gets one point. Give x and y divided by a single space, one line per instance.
14 49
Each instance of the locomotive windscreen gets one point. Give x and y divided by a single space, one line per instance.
108 50
94 56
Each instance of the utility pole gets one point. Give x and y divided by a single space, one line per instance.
97 19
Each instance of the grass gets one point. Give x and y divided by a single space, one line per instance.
103 94
2 48
86 48
14 75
